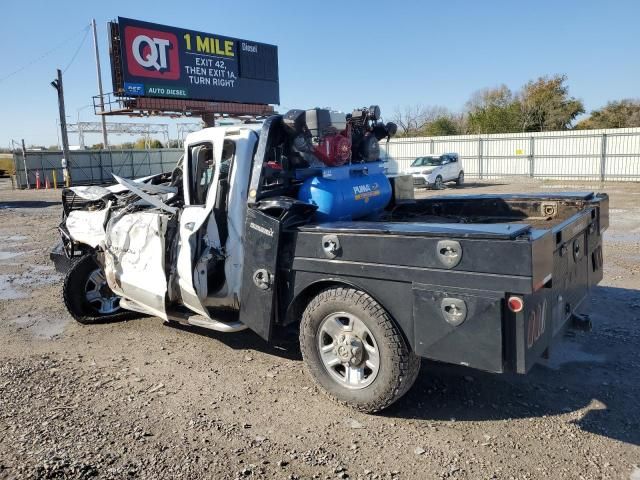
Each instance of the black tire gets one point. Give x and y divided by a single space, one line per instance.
398 366
74 295
460 179
438 184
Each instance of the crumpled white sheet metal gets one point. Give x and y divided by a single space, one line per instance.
134 259
117 188
86 226
139 190
96 192
93 192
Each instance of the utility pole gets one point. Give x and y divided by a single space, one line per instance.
101 101
24 159
57 84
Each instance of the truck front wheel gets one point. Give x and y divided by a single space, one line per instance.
354 350
87 296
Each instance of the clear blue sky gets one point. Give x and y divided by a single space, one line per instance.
340 54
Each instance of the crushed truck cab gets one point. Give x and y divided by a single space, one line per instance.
293 221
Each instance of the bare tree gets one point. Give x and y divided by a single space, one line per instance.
412 119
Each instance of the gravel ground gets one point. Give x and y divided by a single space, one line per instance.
141 399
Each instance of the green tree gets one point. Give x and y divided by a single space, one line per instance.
441 126
493 110
546 105
618 114
97 146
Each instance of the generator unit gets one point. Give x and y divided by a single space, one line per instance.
345 178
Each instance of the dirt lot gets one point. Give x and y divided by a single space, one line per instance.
141 399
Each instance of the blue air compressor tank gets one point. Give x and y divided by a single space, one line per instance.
347 193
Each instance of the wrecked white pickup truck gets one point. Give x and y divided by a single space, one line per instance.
294 221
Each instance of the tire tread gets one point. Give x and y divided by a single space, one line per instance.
70 289
408 364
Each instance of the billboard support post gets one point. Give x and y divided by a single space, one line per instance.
100 92
208 119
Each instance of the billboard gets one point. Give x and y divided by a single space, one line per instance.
151 60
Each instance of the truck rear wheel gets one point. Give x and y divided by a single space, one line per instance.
87 296
354 350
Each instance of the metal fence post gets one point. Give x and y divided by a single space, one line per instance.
15 170
603 157
480 169
26 170
100 166
532 156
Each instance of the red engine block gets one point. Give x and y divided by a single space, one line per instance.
334 150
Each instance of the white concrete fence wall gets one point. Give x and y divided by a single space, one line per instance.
603 155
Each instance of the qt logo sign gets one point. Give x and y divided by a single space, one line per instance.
151 53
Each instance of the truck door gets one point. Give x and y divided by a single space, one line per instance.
199 239
134 260
454 167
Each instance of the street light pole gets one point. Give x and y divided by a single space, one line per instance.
57 84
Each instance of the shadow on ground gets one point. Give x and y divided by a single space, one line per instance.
590 376
594 377
29 204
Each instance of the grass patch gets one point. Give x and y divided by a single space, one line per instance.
6 163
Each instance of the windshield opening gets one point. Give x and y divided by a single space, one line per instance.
426 162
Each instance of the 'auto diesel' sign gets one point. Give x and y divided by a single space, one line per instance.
168 62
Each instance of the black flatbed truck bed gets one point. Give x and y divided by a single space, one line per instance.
472 251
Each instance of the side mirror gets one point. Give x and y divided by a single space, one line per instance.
444 162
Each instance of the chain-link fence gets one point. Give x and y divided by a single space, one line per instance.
92 167
600 155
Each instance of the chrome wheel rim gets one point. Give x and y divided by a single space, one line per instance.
99 295
438 183
348 350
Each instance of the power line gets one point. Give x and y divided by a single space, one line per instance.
77 51
44 55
